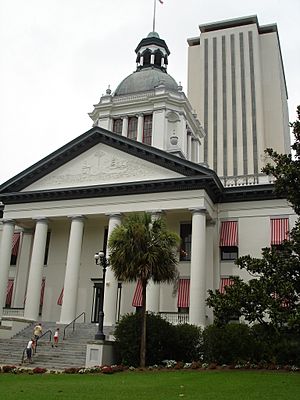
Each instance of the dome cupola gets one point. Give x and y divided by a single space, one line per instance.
151 72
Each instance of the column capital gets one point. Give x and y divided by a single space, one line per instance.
198 210
78 217
139 115
114 214
8 221
124 117
41 219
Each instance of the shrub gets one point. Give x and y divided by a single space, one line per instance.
39 370
188 343
71 370
8 368
160 342
228 344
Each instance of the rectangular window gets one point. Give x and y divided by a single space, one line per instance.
229 240
147 131
132 128
186 241
229 253
47 248
224 282
279 231
9 293
105 239
117 126
15 248
183 299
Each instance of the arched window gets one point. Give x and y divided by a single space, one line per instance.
147 57
157 58
117 127
132 128
147 131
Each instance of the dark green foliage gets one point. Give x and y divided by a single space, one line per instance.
188 343
161 336
228 344
164 341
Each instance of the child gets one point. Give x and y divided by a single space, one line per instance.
55 337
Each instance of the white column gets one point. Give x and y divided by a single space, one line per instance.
33 293
140 127
153 289
69 304
111 285
23 268
198 265
5 255
125 126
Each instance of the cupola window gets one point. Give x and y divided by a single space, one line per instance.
117 127
132 128
147 131
147 58
157 58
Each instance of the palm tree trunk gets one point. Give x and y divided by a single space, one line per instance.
143 334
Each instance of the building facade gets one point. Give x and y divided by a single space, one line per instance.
144 153
237 86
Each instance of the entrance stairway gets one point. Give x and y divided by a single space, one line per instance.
70 352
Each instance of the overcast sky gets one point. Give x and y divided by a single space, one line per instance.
57 58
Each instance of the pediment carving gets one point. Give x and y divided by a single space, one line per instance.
102 165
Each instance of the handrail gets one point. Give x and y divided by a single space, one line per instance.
23 355
36 343
73 322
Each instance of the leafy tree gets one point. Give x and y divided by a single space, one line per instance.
143 249
272 297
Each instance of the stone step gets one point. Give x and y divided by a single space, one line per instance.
70 352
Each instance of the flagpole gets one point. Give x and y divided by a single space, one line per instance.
154 12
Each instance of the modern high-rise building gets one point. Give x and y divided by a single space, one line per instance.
237 86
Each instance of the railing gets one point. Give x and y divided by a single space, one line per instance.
175 318
73 322
44 334
13 312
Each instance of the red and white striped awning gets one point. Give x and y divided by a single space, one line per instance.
225 282
183 293
15 244
61 297
279 230
9 292
137 300
229 233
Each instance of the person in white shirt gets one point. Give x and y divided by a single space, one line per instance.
29 349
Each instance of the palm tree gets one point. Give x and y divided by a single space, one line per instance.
143 249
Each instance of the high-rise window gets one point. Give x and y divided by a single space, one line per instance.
117 127
132 128
147 131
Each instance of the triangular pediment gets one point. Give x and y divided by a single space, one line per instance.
102 165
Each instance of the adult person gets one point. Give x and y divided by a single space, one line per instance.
37 331
30 349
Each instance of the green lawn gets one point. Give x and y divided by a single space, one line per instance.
167 385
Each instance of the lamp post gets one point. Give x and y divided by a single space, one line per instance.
102 260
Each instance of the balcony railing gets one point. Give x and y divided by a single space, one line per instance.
13 312
175 318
